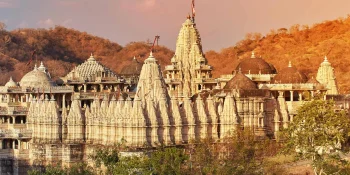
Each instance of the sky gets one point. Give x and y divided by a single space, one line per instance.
221 23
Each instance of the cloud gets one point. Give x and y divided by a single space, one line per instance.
67 22
137 5
46 23
5 4
4 21
23 24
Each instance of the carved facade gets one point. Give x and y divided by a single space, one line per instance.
44 123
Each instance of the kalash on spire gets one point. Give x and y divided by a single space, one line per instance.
189 72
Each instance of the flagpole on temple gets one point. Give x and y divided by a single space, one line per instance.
193 11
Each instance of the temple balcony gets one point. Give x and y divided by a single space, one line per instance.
14 110
16 133
287 87
205 80
172 81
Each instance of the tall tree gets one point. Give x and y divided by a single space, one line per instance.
318 133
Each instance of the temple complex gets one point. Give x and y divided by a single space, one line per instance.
45 122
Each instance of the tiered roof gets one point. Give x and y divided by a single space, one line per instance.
88 70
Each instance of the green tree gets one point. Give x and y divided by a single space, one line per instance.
318 133
170 161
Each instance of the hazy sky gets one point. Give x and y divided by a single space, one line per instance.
221 23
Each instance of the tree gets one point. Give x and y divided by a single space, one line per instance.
170 161
2 26
318 133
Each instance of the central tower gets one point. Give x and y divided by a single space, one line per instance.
189 72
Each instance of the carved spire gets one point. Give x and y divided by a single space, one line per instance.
326 76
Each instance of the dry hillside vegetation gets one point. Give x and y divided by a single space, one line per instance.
303 45
63 48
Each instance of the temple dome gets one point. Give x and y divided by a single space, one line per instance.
89 70
11 83
240 81
37 78
290 75
255 65
134 68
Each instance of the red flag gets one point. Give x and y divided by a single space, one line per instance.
193 9
31 57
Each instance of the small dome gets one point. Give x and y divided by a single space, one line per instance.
290 75
134 68
36 78
255 65
11 83
240 81
91 59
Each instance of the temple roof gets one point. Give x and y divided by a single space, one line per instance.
11 83
90 68
134 68
317 84
37 78
255 65
290 75
240 81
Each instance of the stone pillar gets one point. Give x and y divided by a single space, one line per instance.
300 97
85 87
291 96
101 87
27 98
13 144
8 98
64 101
19 144
1 144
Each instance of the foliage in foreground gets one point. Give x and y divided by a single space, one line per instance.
241 153
319 133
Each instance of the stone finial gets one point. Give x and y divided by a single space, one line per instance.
289 64
325 59
91 58
253 55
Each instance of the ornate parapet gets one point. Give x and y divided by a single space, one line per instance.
16 133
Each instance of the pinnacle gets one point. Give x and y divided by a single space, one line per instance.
253 55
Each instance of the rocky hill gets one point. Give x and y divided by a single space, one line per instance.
61 49
305 46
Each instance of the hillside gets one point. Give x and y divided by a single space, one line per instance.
61 49
303 45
